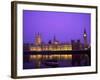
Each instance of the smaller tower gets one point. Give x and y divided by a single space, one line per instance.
38 39
55 41
85 39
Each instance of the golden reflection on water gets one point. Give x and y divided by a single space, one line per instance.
54 56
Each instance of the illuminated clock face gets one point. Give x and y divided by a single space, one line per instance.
85 35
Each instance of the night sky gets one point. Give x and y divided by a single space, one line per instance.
66 26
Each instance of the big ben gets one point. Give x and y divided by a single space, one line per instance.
85 40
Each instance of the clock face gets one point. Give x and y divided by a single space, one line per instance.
85 35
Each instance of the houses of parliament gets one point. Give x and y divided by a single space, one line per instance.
56 45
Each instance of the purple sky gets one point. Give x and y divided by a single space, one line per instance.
66 26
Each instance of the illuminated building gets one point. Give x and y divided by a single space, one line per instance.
56 45
51 46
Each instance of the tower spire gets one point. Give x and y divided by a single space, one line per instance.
54 39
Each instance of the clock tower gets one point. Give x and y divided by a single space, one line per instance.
85 39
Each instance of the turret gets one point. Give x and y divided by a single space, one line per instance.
38 39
